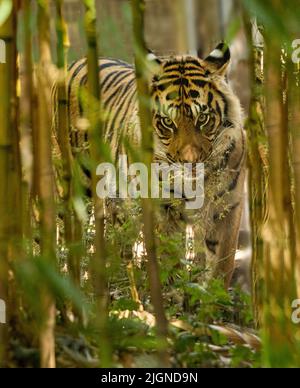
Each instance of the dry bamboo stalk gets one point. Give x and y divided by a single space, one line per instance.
27 104
138 8
179 11
10 197
45 184
287 183
294 103
95 138
278 328
15 193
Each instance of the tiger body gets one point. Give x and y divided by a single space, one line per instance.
196 119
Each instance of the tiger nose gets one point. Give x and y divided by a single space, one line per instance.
190 154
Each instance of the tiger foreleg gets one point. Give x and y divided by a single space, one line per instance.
222 241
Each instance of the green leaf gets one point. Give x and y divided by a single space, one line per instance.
126 304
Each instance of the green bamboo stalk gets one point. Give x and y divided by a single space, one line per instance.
63 131
95 138
46 184
6 142
62 36
138 9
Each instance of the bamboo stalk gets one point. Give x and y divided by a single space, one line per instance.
6 143
294 103
27 104
258 169
287 183
95 138
45 187
138 9
279 331
16 194
62 37
63 136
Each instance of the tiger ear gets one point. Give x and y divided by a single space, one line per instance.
154 64
219 59
153 58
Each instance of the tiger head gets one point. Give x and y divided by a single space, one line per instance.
192 105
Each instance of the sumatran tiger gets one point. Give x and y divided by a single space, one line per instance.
196 117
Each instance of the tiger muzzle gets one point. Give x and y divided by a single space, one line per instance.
194 154
190 154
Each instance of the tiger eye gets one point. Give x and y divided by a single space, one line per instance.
166 121
202 118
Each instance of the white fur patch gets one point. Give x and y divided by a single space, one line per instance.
151 57
217 54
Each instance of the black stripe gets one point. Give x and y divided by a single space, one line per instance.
103 66
194 75
219 109
231 186
164 86
72 65
224 99
74 75
194 93
168 77
107 77
227 124
199 82
212 245
171 65
114 94
182 82
130 100
210 98
122 63
110 98
118 77
119 103
185 69
194 62
225 160
81 84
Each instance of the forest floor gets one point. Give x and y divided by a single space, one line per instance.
209 327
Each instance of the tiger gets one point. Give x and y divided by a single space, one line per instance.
196 118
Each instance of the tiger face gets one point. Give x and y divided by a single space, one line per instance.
192 104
